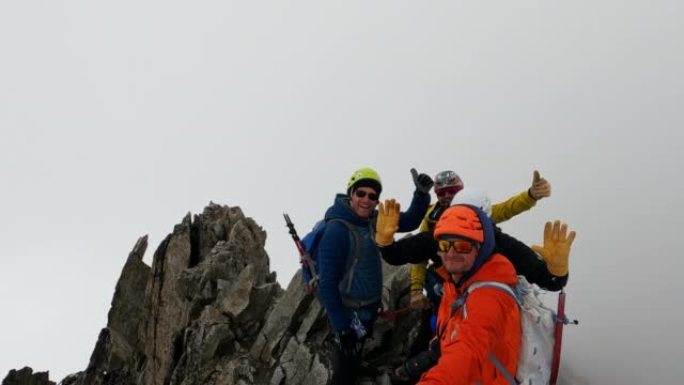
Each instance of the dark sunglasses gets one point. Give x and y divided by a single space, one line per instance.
461 246
372 196
451 190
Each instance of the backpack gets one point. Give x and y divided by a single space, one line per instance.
537 338
310 243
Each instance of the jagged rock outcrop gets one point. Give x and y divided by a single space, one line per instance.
210 312
25 376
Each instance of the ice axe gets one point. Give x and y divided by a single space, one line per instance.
561 320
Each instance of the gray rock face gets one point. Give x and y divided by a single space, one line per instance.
26 376
210 312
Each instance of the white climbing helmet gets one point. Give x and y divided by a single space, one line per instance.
474 197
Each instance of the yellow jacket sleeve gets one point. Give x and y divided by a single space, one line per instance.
511 207
419 270
418 273
424 225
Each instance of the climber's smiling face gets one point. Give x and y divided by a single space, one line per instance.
458 254
363 201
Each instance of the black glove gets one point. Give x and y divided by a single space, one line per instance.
415 366
349 343
422 181
399 375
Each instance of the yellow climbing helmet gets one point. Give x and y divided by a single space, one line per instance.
365 177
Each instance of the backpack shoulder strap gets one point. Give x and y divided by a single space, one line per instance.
311 241
508 290
354 232
357 248
460 302
497 285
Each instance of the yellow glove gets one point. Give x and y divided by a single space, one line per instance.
387 223
556 249
540 187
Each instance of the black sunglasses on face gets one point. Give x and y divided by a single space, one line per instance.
372 196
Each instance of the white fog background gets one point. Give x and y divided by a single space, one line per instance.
118 118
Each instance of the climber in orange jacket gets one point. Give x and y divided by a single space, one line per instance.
479 339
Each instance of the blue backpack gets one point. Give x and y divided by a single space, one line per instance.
310 243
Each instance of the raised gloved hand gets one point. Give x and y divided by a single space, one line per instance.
540 187
556 249
418 300
422 181
387 223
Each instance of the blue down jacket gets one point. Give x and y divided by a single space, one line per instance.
341 291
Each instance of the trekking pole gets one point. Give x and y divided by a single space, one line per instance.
293 233
561 320
304 257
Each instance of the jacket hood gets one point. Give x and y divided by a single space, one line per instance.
488 245
341 209
498 268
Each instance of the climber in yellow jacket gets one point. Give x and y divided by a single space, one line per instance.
447 185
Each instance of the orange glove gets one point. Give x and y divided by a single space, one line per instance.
556 249
387 223
540 187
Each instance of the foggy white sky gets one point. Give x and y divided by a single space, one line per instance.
117 119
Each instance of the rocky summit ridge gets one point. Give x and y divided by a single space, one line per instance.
210 312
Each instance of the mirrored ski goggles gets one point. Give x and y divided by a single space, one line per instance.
372 196
461 246
451 190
